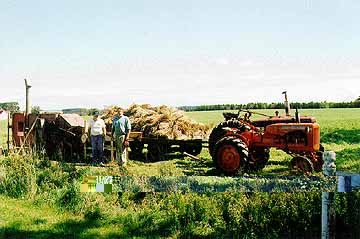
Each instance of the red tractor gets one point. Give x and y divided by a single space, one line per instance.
240 145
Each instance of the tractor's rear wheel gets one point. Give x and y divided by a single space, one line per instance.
218 132
231 156
258 158
302 164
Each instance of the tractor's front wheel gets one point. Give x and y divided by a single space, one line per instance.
231 156
302 164
318 160
258 158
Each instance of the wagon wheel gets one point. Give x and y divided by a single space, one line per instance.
193 148
231 156
157 151
302 164
218 132
136 148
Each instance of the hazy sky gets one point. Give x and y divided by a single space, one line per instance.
97 53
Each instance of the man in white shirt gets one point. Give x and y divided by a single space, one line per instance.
97 131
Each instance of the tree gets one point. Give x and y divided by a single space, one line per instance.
35 110
10 106
91 111
357 102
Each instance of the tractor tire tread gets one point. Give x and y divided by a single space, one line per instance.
242 150
218 132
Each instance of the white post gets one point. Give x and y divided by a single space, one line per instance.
328 199
344 183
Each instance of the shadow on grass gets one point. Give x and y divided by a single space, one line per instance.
281 162
78 229
348 160
342 136
207 168
279 171
68 229
145 159
197 167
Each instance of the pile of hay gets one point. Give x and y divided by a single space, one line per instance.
109 114
160 121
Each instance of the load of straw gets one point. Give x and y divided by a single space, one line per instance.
161 121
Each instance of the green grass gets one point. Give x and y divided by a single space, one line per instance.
176 215
3 133
26 219
23 219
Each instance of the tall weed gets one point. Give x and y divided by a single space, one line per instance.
19 176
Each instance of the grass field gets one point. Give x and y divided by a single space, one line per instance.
3 133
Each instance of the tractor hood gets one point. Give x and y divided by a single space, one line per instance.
282 119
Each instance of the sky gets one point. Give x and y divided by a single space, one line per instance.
101 53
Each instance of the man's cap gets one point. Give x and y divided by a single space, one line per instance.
96 113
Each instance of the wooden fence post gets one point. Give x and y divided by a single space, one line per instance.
328 212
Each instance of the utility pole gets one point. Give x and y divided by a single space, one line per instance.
27 102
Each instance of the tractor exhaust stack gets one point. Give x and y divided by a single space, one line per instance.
287 105
297 116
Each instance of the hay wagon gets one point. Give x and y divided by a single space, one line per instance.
161 130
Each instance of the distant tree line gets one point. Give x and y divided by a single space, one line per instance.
81 111
299 105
